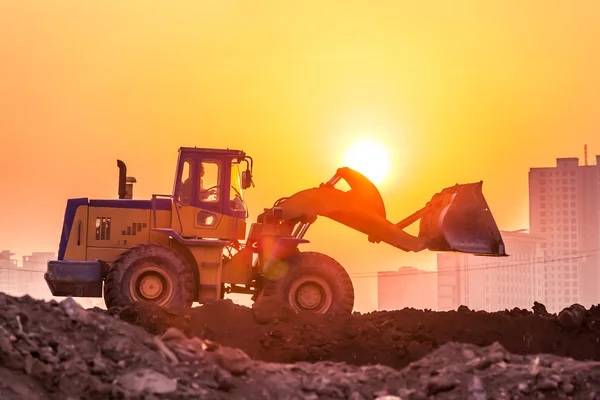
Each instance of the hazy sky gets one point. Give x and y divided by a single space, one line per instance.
459 91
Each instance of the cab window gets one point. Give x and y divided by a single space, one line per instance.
236 199
185 184
209 190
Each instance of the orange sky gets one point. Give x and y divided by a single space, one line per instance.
460 91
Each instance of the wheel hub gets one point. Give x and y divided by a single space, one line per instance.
309 296
151 286
150 283
310 293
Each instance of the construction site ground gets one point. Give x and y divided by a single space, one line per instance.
51 350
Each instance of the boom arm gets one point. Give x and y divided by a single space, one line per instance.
457 219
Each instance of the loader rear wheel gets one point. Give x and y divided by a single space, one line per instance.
315 283
151 273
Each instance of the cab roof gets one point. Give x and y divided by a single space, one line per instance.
207 150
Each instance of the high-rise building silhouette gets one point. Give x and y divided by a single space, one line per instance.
564 206
8 272
493 283
407 287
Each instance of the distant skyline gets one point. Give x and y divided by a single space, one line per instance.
19 258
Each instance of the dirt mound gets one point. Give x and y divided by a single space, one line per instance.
270 332
52 350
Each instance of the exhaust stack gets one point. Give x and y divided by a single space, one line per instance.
122 179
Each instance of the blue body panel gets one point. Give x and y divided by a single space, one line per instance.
75 278
71 209
73 204
161 204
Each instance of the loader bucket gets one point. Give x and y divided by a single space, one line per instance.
459 219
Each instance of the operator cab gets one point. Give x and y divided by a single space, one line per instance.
213 181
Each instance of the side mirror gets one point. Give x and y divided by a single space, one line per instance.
247 179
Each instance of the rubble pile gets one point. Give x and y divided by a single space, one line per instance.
271 332
51 350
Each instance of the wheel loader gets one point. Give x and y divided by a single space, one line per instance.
191 245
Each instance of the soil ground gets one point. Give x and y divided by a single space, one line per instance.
271 332
51 350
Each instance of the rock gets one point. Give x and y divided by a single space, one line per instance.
556 378
476 390
74 310
540 309
147 381
47 355
566 387
545 384
463 309
65 351
356 396
497 356
475 363
5 344
572 318
469 354
523 387
224 379
98 365
173 335
117 347
441 384
233 360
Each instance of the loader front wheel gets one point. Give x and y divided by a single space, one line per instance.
150 273
315 283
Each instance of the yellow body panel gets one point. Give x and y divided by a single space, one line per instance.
118 227
239 269
106 254
210 268
104 233
189 223
77 244
163 220
109 246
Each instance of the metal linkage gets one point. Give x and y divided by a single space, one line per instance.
303 228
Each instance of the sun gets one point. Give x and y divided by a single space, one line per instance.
370 158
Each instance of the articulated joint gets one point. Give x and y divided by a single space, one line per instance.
272 215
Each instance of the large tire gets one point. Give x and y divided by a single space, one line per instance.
151 273
314 282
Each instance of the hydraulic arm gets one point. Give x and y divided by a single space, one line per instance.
456 219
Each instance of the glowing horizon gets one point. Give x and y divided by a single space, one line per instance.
370 158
